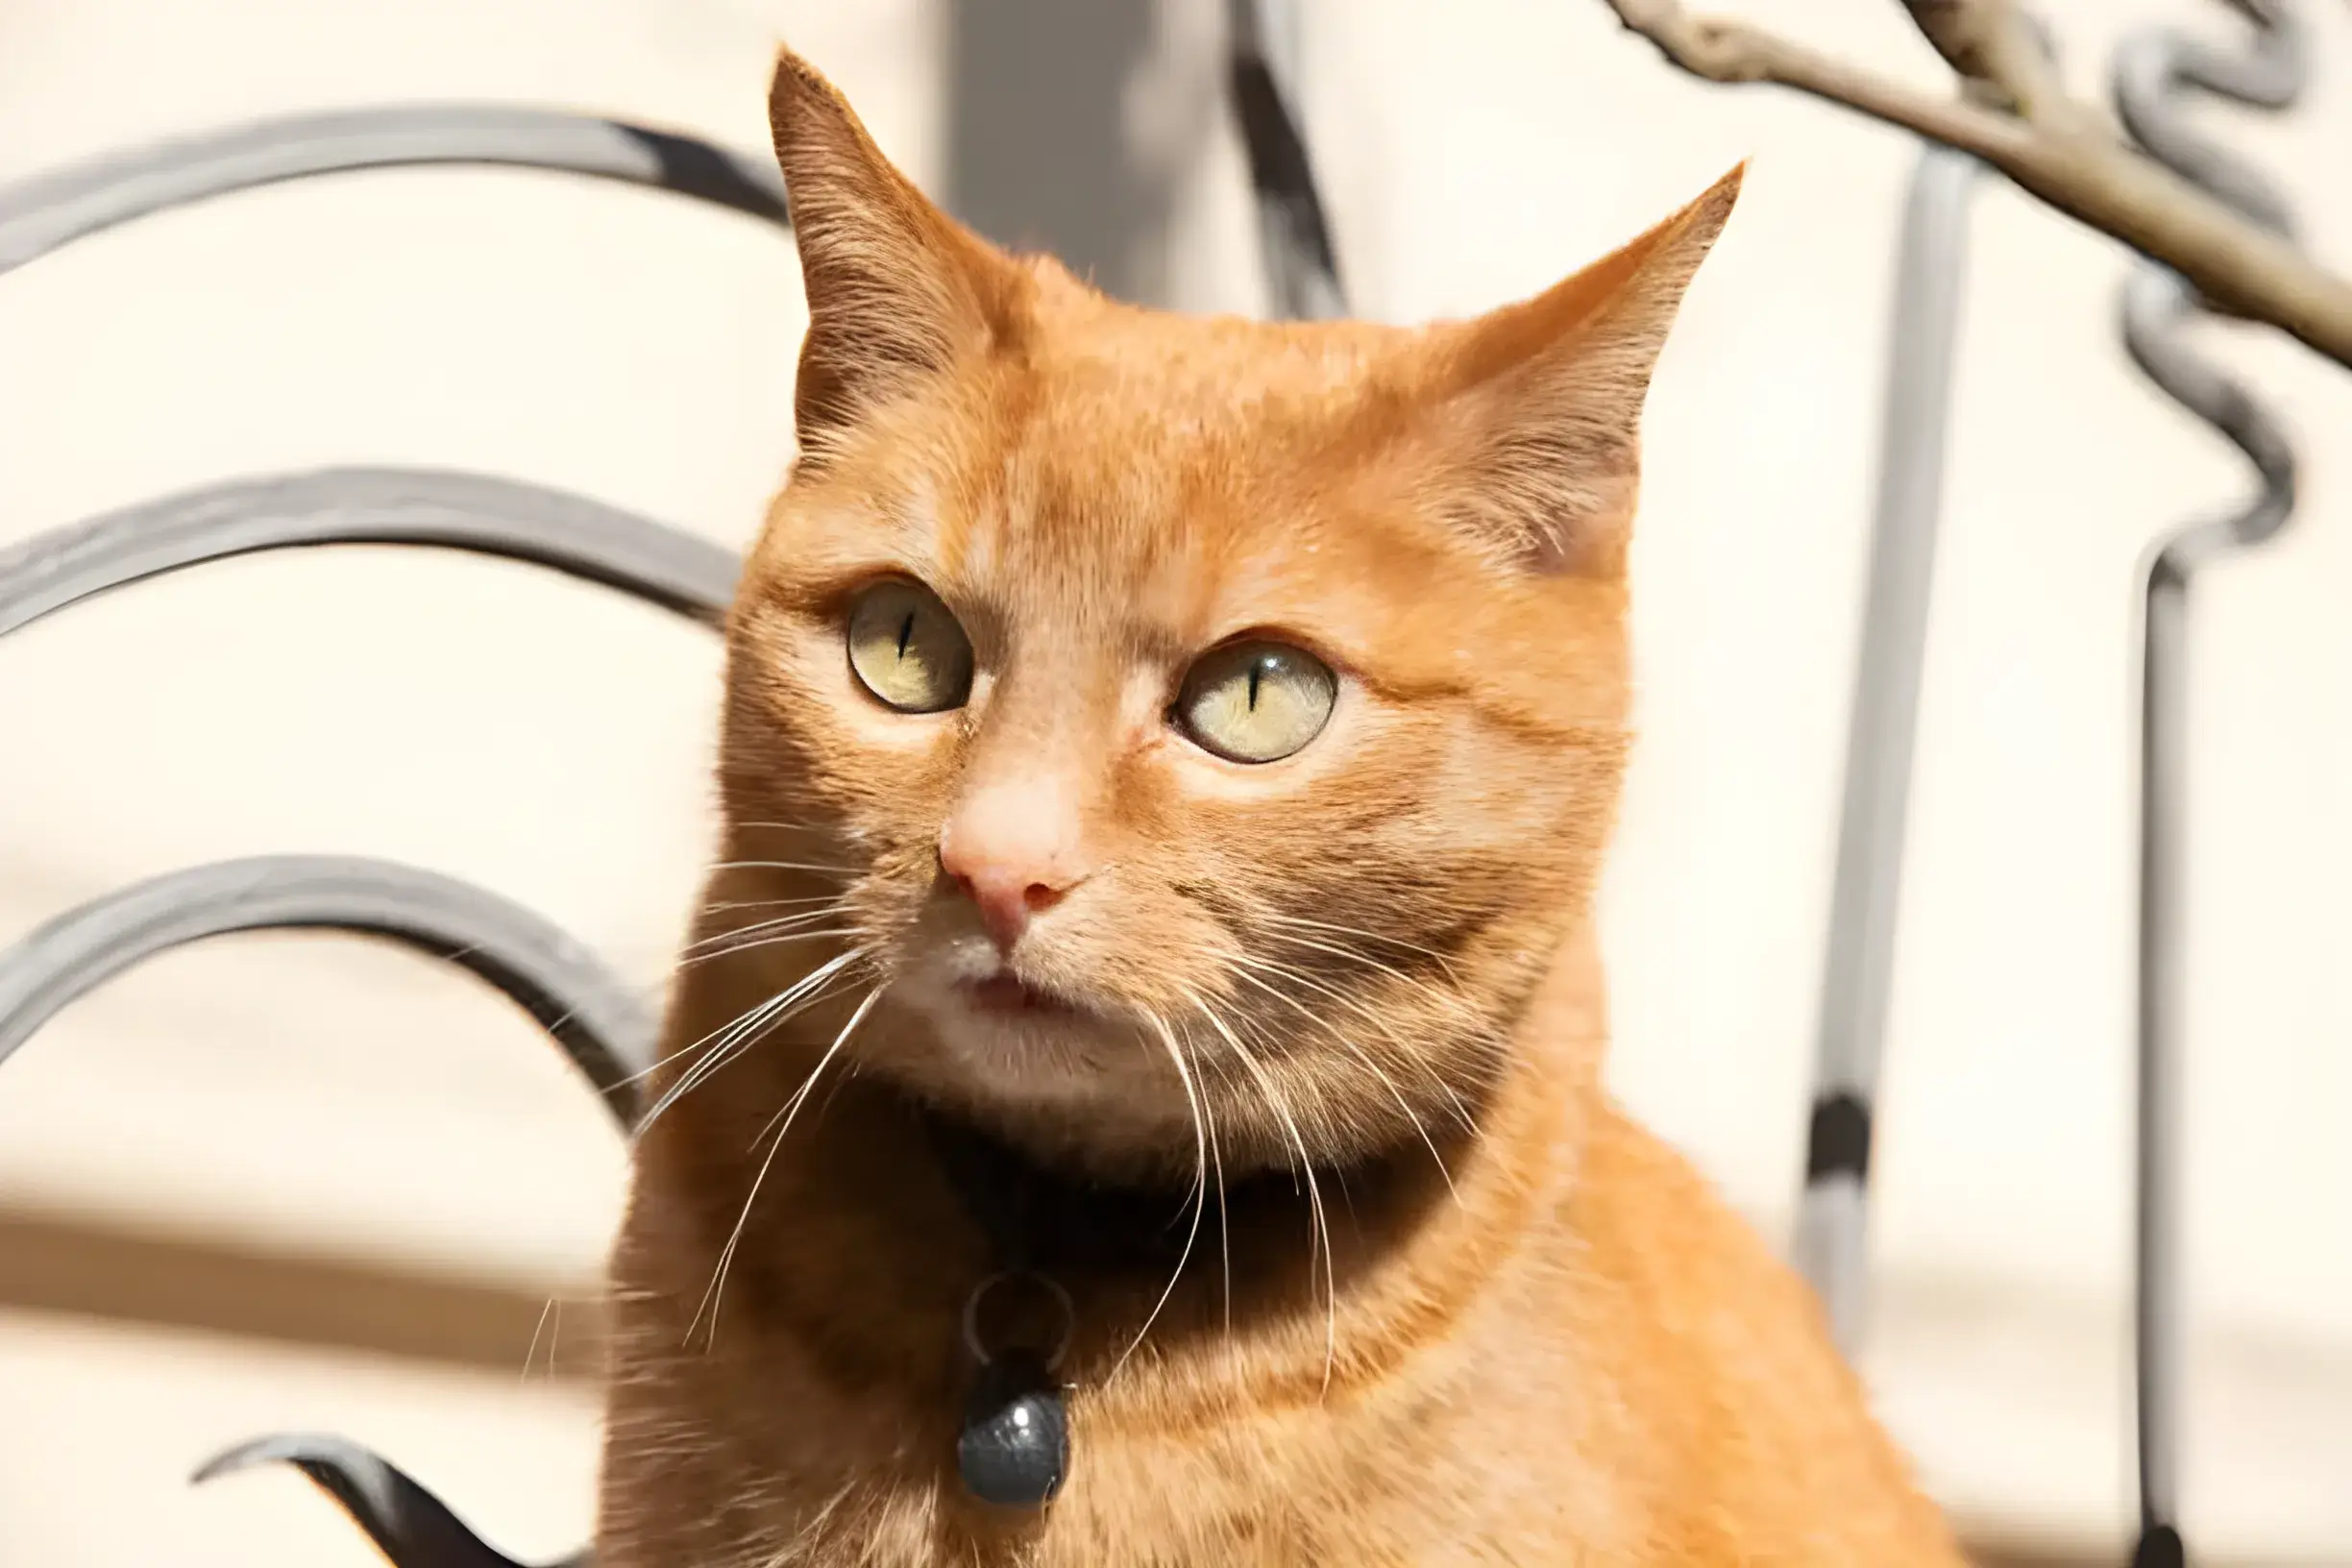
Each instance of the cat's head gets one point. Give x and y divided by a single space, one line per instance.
1186 710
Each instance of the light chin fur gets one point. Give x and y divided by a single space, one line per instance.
1094 1088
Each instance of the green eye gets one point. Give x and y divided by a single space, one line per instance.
907 649
1256 701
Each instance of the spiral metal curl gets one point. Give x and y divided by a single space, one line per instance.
2152 70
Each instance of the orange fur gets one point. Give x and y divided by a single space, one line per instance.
1523 1331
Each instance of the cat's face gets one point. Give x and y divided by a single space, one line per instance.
1191 712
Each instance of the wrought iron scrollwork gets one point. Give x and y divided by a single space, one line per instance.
597 1019
592 1014
411 1526
2151 70
53 209
473 513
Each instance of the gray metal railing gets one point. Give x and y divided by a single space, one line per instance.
554 976
2148 69
1858 972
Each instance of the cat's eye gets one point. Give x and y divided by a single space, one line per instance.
1256 701
908 649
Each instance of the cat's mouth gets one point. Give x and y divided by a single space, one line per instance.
1002 1039
1004 994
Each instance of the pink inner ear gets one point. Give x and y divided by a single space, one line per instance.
897 288
1594 538
1548 393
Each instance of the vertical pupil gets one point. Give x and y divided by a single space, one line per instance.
906 633
1256 675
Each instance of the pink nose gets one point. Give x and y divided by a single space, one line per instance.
1010 849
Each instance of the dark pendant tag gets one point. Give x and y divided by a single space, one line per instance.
1015 1447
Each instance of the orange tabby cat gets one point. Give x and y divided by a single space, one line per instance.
1165 766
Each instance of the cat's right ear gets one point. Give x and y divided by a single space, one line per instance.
898 290
1539 403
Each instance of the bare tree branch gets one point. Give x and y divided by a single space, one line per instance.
2055 152
1993 47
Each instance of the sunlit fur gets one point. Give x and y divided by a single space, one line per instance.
1502 1325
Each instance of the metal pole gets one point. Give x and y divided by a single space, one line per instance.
2150 68
1831 1217
1293 234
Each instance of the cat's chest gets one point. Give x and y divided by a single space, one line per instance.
1308 1506
1436 1470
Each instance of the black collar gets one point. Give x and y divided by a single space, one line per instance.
1048 1228
1044 1220
1038 1217
1013 1447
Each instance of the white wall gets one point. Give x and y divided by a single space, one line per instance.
638 349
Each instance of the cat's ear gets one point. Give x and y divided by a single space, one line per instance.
1539 403
898 290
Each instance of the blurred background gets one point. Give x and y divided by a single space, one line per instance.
308 1183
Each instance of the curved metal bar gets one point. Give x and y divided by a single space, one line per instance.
50 211
409 1525
593 1015
1293 236
571 534
1831 1243
2151 68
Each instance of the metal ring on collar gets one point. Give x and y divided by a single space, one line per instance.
1053 1286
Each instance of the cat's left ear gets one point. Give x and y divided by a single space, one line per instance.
898 292
1539 403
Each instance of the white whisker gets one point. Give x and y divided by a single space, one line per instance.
691 1046
726 1254
748 1030
1383 938
1200 1187
1242 964
1217 1161
1321 1234
781 864
1446 999
1388 1083
531 1353
780 923
781 939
